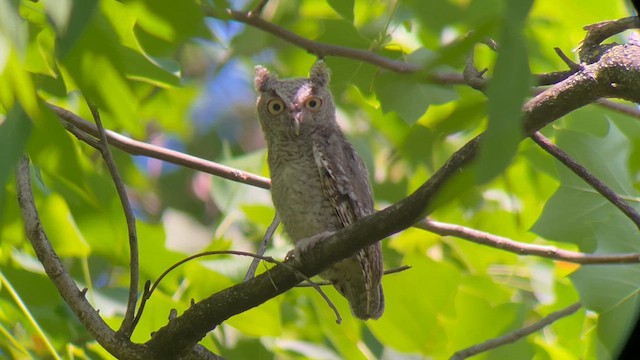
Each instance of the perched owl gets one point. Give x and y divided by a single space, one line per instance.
318 182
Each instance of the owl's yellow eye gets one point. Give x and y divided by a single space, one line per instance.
313 103
275 106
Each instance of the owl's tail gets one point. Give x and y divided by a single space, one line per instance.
365 305
361 288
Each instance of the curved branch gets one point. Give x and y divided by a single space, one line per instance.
617 66
88 316
516 335
126 328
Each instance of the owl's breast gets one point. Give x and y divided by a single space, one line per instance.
297 196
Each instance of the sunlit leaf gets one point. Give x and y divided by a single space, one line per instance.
61 228
263 320
11 24
409 318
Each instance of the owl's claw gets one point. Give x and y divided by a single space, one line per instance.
290 255
304 246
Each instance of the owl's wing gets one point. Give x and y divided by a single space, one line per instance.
346 184
344 178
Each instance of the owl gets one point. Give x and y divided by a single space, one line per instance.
318 182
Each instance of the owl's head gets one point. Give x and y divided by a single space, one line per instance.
294 108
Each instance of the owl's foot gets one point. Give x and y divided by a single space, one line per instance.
306 245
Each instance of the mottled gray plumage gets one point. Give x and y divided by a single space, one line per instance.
318 182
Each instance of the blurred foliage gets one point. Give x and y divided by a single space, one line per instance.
161 72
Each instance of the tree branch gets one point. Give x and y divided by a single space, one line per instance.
263 247
597 33
120 347
126 327
503 243
618 65
319 49
149 290
516 335
135 147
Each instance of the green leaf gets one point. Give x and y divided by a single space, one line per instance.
61 228
71 28
409 97
615 326
341 32
569 213
507 90
346 73
576 213
343 7
477 320
263 320
435 14
97 66
162 25
411 315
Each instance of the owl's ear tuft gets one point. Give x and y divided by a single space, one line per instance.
320 73
262 78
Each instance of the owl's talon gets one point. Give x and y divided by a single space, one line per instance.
290 255
304 246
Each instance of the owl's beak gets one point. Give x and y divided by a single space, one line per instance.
297 120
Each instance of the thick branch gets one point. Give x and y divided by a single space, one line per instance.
617 66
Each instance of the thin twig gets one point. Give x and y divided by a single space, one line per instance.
472 76
126 327
597 33
515 335
269 259
552 77
621 108
135 147
587 176
258 9
506 244
263 247
319 49
386 272
82 136
570 63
